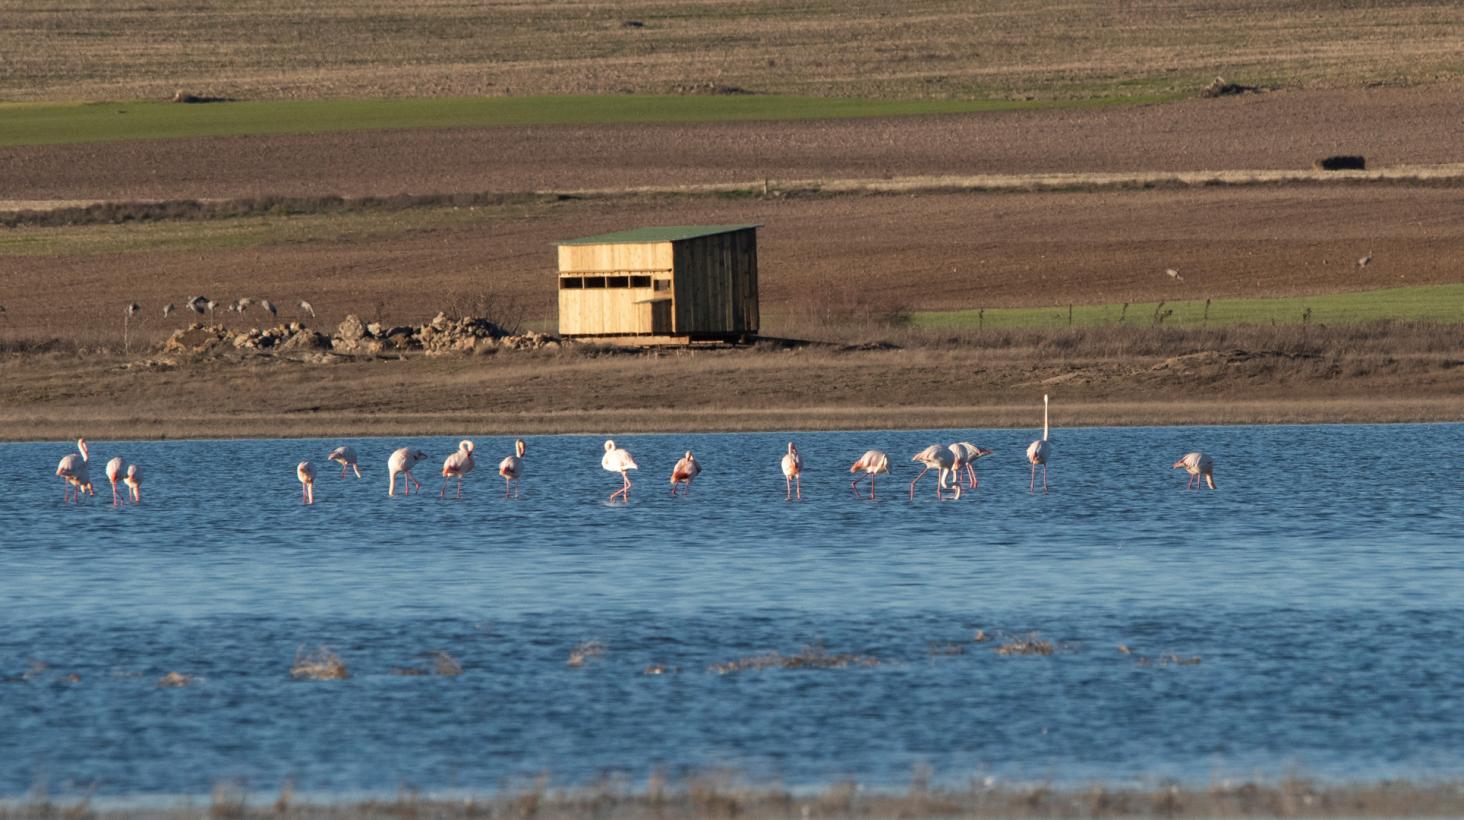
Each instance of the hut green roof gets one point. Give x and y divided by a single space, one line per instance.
667 233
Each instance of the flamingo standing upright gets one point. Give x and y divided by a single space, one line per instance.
685 472
346 457
793 471
134 482
401 462
966 454
938 458
115 474
511 468
871 464
1038 451
618 461
305 471
73 470
456 466
1198 465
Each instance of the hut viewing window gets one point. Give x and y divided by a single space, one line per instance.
663 285
571 282
640 281
594 281
617 282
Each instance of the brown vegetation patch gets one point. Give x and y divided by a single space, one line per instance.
1029 644
810 657
584 652
320 663
176 679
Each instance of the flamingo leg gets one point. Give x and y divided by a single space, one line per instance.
443 492
460 487
917 479
788 484
854 485
1044 477
1032 485
415 481
357 469
115 501
136 495
798 480
871 486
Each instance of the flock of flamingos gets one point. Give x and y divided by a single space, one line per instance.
947 461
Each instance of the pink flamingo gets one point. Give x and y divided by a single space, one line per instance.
114 475
73 470
401 462
511 468
134 482
346 457
618 461
305 471
1198 465
966 454
938 458
793 471
871 464
685 472
1038 451
456 466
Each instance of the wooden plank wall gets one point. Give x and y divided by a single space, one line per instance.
716 283
612 310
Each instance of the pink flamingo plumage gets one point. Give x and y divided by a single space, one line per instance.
401 461
965 454
305 471
618 461
938 458
792 465
115 473
685 472
1038 451
134 482
73 470
512 468
871 464
456 466
1198 465
346 457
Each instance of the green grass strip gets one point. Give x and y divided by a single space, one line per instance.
53 123
1444 303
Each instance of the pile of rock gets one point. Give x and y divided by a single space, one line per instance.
197 338
439 337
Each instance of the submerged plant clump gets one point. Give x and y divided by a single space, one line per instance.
811 657
321 664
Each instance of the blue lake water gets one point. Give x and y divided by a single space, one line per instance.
1321 588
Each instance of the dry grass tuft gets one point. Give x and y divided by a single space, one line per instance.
320 664
810 657
583 652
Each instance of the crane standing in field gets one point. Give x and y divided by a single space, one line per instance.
457 465
401 461
871 464
792 465
1038 451
620 461
511 468
346 457
1198 465
685 472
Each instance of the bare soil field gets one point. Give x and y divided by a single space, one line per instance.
1112 377
336 48
1283 130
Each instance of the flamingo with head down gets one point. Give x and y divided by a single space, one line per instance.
305 471
401 462
73 470
872 463
966 454
685 472
346 457
792 465
1198 465
115 472
938 458
134 482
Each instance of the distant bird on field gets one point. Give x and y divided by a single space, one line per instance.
1174 274
198 304
871 464
792 465
73 470
938 458
168 309
618 461
1364 261
346 457
966 454
114 474
1198 465
401 462
305 307
269 307
512 469
211 304
305 471
1038 451
134 482
685 472
456 466
133 309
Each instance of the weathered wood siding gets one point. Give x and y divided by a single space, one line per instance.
593 310
651 256
715 283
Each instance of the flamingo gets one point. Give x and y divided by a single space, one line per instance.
685 471
936 457
1198 465
134 482
305 471
401 461
793 471
512 467
966 454
307 308
456 466
618 461
346 457
1038 451
872 463
74 471
114 475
